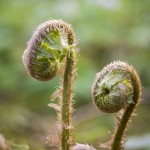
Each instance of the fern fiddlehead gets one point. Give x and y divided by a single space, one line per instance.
117 87
53 44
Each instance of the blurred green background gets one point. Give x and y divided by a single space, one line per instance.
107 30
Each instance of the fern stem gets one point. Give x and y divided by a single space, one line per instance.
117 140
66 100
120 131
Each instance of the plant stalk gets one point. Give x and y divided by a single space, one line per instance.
117 141
67 100
120 131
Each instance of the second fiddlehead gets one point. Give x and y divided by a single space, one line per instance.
51 46
117 87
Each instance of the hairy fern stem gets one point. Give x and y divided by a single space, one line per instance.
120 131
67 101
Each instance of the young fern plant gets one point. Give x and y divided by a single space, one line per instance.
117 89
52 46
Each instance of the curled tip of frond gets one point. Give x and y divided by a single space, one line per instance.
82 147
116 87
47 47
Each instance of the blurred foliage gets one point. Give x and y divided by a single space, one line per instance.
18 147
106 31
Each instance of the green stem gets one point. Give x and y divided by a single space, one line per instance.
120 131
117 141
66 100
